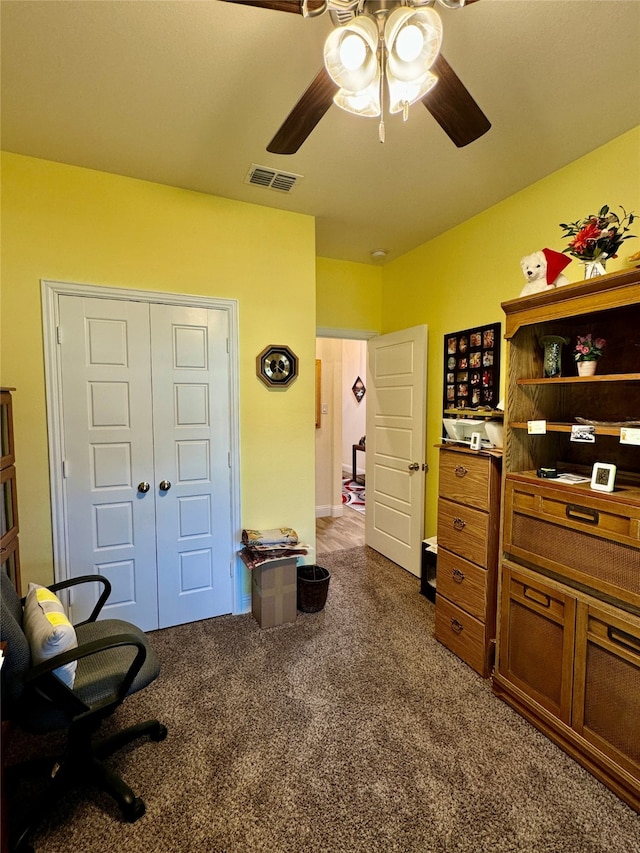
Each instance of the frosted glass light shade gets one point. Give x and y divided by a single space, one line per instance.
363 103
403 94
413 38
350 54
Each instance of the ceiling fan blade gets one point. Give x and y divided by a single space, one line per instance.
294 6
451 105
305 115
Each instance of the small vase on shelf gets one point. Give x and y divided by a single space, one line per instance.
593 269
552 345
587 368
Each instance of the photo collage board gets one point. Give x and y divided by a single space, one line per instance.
472 368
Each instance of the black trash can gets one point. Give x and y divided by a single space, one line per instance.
313 585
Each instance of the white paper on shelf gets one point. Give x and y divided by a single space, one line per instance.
572 478
432 543
629 435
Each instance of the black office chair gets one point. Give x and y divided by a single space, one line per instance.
114 660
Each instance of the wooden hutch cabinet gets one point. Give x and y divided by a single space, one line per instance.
568 656
468 530
9 553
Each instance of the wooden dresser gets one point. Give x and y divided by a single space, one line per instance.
569 614
468 529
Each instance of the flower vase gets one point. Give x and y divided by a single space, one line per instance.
587 368
552 345
592 269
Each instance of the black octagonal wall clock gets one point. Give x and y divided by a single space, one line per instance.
277 366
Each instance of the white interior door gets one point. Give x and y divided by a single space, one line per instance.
191 442
396 416
145 399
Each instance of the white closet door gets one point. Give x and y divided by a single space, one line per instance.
191 415
146 400
108 451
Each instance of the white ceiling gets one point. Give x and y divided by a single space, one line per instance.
189 93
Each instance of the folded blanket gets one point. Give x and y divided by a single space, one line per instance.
276 536
253 558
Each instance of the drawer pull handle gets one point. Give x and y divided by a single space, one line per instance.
459 524
457 575
582 513
538 597
456 626
461 471
628 641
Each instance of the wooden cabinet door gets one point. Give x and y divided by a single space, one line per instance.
537 632
606 707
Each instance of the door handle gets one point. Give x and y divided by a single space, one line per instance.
165 485
414 466
143 487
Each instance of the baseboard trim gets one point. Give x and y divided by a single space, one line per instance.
327 511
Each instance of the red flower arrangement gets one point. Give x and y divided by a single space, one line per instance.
598 236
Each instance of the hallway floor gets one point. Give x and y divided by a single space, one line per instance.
336 534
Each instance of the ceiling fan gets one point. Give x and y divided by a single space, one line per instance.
377 27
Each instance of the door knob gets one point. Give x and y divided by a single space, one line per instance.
165 485
414 466
143 487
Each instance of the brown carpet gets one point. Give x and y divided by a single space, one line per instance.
351 730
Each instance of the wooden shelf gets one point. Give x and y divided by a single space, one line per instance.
578 380
478 413
600 429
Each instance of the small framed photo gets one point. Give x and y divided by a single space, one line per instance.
603 477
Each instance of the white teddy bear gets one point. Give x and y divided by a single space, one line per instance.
543 270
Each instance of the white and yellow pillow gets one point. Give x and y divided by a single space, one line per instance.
48 630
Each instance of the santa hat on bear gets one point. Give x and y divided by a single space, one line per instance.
556 262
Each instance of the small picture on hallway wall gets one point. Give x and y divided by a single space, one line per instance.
472 368
358 389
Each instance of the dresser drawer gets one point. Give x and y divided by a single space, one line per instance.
463 583
580 536
465 478
464 531
464 635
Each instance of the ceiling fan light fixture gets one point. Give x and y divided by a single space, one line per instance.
402 94
363 103
413 38
350 54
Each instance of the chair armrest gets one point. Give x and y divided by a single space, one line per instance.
104 595
42 679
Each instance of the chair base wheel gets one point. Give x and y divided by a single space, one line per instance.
159 734
134 810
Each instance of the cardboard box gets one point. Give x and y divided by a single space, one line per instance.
273 592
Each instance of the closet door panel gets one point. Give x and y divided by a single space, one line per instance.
108 451
190 367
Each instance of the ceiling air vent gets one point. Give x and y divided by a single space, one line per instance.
262 176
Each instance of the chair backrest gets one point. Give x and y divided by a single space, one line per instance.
17 654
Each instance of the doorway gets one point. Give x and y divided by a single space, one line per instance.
340 471
143 448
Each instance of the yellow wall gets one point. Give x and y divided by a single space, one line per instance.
70 224
459 279
348 295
